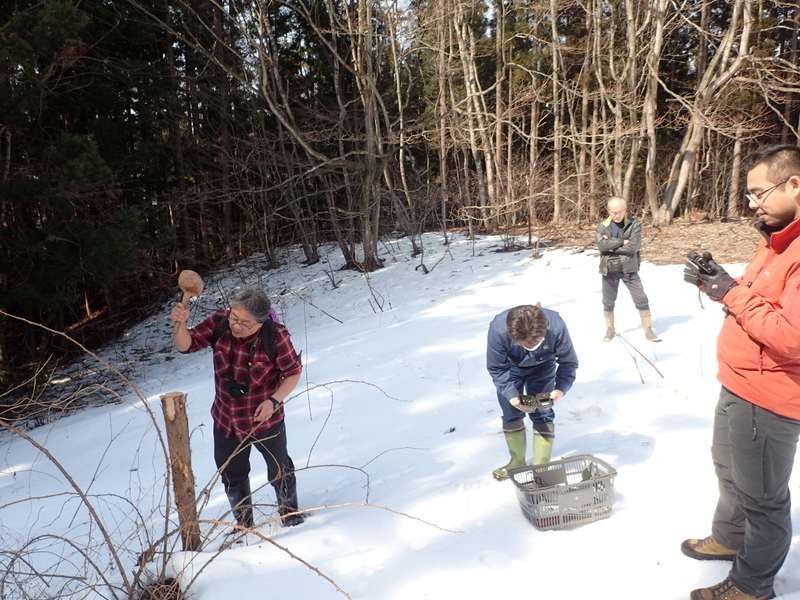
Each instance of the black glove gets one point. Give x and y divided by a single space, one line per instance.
693 265
705 273
690 274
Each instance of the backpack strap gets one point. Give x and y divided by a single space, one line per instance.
219 330
267 335
268 339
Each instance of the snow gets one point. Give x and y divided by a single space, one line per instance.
395 430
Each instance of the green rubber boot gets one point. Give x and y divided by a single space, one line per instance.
516 440
543 436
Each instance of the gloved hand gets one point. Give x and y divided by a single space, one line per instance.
690 274
713 280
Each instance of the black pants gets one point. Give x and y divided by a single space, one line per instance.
233 461
634 285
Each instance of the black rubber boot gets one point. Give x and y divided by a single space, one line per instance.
240 497
286 492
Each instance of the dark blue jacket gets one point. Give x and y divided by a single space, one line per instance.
503 353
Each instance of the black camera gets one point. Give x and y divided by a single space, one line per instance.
235 389
701 262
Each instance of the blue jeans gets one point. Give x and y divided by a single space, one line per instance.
753 452
530 381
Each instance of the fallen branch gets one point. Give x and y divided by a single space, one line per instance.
628 346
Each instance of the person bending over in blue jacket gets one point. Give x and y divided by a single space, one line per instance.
529 352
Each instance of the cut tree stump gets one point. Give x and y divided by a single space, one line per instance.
180 454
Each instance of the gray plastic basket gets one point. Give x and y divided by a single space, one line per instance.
565 493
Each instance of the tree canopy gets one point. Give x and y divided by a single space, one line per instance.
138 138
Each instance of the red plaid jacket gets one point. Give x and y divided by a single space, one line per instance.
262 377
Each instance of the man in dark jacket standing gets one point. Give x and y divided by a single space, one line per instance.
529 352
619 239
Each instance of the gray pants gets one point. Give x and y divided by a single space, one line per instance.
634 284
753 452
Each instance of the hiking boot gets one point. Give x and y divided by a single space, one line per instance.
707 549
726 591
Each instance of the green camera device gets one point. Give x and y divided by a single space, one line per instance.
531 403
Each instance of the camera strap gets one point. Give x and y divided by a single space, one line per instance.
250 356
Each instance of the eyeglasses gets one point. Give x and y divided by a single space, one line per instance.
756 198
243 324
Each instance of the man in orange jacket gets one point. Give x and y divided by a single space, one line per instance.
757 418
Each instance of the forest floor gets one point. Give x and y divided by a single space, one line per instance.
729 241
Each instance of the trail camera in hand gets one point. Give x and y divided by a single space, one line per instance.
531 403
701 262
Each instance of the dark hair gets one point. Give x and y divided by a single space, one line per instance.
253 300
782 161
526 324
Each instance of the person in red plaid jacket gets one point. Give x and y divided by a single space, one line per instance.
250 389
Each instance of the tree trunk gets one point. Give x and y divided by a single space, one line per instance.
734 195
499 77
721 69
223 109
176 139
442 68
557 112
173 405
482 152
650 109
370 195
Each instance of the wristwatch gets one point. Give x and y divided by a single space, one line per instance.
276 404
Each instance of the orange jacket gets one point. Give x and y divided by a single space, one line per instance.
759 345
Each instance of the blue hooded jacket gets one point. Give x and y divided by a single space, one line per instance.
503 353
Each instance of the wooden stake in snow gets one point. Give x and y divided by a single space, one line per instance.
174 406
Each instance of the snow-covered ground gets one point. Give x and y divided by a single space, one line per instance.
395 430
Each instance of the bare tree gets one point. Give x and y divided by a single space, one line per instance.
728 59
477 117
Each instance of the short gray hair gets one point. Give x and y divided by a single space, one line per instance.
618 199
253 300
